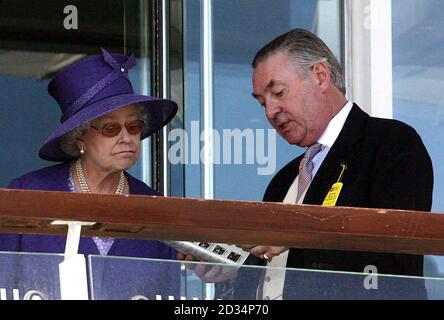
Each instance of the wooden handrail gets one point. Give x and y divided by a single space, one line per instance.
169 218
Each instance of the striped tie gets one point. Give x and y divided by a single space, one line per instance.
305 169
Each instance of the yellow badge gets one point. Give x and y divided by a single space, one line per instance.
335 190
333 195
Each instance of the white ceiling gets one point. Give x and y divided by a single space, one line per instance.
38 65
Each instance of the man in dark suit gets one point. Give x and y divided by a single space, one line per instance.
382 163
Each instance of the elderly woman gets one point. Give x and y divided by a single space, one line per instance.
102 124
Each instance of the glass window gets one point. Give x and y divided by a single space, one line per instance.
418 82
34 45
247 152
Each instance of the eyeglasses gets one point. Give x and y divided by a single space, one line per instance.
112 129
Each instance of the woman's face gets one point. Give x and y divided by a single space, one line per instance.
111 154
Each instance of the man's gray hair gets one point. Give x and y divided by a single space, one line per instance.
306 49
68 141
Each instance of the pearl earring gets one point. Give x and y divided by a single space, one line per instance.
82 151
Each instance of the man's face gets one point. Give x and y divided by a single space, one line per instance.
295 107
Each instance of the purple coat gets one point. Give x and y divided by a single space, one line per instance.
55 178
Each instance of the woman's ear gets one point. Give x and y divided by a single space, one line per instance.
79 143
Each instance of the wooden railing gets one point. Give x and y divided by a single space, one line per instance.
168 218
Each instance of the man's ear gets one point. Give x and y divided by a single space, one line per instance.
321 72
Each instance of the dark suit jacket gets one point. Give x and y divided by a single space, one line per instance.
387 167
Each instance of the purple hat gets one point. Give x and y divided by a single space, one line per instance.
94 86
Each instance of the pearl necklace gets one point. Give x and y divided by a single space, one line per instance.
84 186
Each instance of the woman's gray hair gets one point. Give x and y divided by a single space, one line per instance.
306 50
68 141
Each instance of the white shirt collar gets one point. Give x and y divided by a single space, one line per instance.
335 125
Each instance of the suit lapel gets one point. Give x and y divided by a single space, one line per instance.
342 151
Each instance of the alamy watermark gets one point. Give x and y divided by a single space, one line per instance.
371 280
71 21
231 146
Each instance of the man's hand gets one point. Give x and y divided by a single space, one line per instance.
264 252
185 257
208 273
